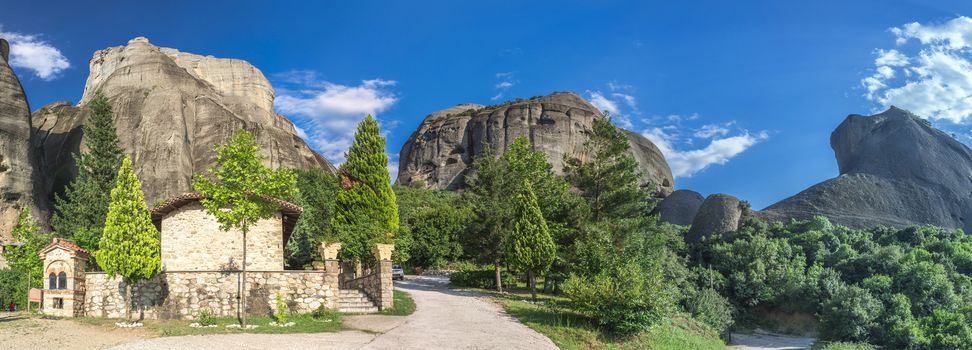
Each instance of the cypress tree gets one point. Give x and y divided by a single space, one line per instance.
366 211
129 246
489 199
529 246
80 214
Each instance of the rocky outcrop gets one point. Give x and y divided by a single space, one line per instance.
440 152
718 216
680 207
17 166
895 170
170 108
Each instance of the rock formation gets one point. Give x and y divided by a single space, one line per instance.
719 215
170 108
17 166
440 152
680 207
895 170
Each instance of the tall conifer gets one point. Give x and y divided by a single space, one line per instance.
130 244
529 246
366 211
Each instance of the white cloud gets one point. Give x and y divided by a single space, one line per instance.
685 163
603 103
327 112
932 79
29 51
711 130
506 81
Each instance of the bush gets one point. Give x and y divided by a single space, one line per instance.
322 313
205 318
712 309
624 300
842 346
484 278
281 314
851 314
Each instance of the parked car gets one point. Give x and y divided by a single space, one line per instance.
398 273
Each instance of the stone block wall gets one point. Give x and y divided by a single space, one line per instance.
378 285
183 295
193 241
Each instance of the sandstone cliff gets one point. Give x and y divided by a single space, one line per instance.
17 166
441 151
170 108
895 170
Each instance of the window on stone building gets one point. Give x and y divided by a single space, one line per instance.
58 303
52 281
62 280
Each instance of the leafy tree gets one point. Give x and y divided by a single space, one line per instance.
433 222
25 264
239 190
947 330
366 211
130 243
624 298
529 246
80 214
316 192
851 315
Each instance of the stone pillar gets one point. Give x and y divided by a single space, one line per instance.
332 272
383 256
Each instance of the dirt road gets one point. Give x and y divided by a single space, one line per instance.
767 341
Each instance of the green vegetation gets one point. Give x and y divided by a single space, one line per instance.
130 245
26 266
366 211
281 312
80 214
242 189
432 226
316 192
529 246
304 323
897 288
404 305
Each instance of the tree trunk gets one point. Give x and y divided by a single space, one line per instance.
242 309
532 281
499 276
128 300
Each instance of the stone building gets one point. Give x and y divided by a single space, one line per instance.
201 272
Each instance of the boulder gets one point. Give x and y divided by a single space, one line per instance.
170 109
440 152
718 216
895 170
680 207
18 175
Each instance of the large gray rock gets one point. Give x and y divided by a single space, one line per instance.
440 152
895 170
170 108
719 216
680 207
17 165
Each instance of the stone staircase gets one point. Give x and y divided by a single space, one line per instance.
355 301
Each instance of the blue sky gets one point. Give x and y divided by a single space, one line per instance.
741 95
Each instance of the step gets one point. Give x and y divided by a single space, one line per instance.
358 310
354 300
353 305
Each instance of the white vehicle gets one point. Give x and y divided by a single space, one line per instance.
398 273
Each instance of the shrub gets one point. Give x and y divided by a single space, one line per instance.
205 318
625 299
281 314
484 278
322 313
712 309
842 346
850 315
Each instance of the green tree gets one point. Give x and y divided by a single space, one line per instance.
80 214
316 191
239 192
851 315
433 222
488 197
23 259
529 246
365 211
130 243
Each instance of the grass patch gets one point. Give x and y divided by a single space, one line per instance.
305 323
552 316
404 305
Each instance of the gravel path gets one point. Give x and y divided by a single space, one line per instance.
20 332
444 319
768 341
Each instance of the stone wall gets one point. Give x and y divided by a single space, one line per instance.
378 285
182 295
193 241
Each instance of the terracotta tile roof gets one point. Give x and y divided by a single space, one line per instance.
58 242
